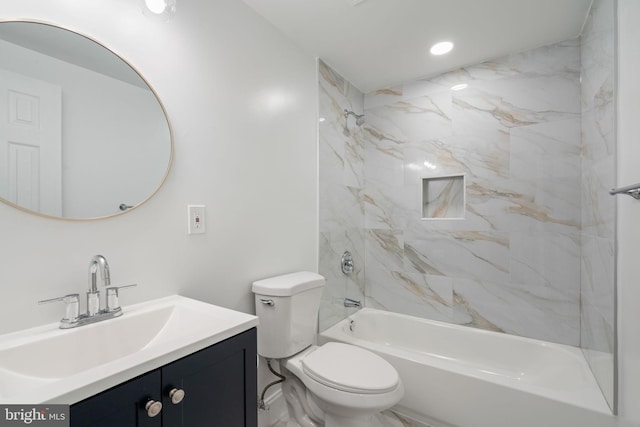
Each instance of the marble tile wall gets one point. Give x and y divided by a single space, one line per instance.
598 176
341 185
513 263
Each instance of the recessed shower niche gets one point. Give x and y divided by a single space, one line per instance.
443 197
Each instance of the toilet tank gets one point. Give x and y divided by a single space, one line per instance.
287 309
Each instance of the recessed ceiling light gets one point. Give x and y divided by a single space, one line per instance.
441 48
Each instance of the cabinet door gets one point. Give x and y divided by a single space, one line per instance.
121 406
219 383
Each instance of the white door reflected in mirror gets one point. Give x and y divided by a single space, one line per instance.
30 143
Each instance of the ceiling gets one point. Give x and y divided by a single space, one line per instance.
379 43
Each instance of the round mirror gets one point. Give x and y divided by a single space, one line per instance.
82 135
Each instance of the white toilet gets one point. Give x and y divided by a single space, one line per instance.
336 384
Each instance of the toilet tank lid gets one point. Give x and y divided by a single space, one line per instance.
288 284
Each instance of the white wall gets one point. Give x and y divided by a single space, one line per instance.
628 209
242 100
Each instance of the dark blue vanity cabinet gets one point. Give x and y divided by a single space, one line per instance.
219 385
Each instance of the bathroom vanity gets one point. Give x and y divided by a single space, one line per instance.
218 382
172 362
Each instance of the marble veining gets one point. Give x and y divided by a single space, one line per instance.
513 263
341 191
531 250
385 419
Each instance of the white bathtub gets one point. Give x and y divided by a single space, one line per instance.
466 377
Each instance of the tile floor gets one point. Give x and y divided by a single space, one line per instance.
385 419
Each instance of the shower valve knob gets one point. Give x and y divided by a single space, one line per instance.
346 263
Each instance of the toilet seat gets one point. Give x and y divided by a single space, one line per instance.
363 390
350 369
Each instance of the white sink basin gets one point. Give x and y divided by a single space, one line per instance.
47 364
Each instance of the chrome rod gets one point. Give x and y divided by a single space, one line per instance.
631 190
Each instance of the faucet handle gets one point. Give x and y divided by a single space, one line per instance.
72 306
113 304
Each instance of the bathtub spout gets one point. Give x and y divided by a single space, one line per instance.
348 302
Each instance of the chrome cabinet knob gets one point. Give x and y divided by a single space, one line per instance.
176 395
153 408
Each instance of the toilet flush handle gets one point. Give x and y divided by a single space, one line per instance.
268 302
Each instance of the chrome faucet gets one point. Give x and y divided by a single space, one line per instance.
98 262
94 313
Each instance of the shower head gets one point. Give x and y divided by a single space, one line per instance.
359 117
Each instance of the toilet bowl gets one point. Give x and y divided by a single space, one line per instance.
336 384
347 383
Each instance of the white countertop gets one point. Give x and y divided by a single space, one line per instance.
50 365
